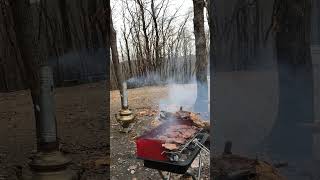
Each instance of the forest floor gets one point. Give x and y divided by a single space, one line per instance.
82 112
145 103
82 130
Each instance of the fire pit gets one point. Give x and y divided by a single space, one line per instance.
173 145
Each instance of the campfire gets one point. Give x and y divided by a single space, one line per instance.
174 144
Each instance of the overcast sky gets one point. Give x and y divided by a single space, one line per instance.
184 5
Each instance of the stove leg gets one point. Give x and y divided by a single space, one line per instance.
163 177
200 167
169 176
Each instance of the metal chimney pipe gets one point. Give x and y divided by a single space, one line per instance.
125 116
47 125
124 95
48 162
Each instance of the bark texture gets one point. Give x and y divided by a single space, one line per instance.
201 57
289 137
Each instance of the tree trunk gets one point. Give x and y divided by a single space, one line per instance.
289 139
66 30
240 27
13 73
145 34
128 53
115 55
28 19
201 57
157 49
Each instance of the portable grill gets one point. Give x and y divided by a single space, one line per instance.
150 149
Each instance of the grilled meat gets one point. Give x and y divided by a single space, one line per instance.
180 133
177 140
177 134
170 146
195 118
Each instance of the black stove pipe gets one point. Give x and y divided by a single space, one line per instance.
47 125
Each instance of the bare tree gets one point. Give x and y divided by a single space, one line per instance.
156 28
201 56
10 59
31 39
152 39
126 36
115 55
292 28
144 29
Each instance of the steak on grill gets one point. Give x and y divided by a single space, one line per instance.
186 115
177 140
176 135
170 146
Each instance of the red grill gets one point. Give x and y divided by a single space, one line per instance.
150 149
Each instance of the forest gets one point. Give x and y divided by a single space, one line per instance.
69 30
247 70
155 39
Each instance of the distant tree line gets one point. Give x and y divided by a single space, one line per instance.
153 41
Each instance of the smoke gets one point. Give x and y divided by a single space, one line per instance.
76 67
147 80
179 95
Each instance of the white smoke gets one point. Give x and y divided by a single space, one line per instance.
180 95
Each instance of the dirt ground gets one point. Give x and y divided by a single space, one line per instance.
82 129
82 114
124 164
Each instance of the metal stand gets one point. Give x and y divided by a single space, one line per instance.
125 118
202 147
50 166
168 177
199 168
163 176
206 150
